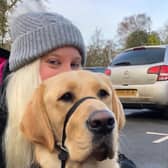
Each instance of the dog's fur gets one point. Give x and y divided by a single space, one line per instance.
43 120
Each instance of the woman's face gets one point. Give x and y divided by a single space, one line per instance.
58 61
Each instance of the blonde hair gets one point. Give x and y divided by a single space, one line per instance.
22 83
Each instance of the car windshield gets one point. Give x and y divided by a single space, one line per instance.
139 56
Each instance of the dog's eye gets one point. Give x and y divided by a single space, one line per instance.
67 97
102 93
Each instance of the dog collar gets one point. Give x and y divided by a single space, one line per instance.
63 155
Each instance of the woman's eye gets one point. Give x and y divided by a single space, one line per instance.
75 65
102 93
67 97
53 62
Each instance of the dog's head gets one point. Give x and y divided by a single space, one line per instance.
91 131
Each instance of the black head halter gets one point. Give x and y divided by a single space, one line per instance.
63 155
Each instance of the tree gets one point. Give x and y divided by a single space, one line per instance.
137 38
99 52
5 7
133 23
153 38
140 37
14 8
163 34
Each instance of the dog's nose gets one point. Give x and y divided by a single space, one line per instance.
101 122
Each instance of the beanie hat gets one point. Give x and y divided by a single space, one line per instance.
34 34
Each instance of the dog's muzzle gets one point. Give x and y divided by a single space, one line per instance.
101 124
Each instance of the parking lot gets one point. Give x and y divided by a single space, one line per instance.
145 138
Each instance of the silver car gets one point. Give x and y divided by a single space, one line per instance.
140 76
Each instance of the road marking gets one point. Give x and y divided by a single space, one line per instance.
157 133
164 138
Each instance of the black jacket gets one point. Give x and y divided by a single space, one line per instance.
3 112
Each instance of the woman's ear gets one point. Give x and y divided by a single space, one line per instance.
35 124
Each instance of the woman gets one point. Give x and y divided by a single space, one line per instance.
44 45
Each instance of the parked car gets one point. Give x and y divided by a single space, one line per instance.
140 76
99 69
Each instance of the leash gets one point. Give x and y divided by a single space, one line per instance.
63 155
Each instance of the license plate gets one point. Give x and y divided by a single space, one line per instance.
126 92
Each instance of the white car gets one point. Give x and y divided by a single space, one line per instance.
140 76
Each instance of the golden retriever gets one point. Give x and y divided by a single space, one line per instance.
91 130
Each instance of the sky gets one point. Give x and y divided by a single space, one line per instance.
104 15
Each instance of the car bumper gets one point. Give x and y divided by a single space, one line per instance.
146 95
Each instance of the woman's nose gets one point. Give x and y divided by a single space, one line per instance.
66 68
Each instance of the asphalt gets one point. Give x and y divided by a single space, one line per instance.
144 139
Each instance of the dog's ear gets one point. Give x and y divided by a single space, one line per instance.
118 110
35 124
117 107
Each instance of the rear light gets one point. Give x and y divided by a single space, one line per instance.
161 71
107 72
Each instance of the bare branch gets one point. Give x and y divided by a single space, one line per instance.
12 4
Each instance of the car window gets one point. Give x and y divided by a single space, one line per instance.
140 56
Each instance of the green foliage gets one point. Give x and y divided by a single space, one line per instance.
136 38
140 37
133 23
153 39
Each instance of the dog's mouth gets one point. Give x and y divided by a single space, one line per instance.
102 152
102 149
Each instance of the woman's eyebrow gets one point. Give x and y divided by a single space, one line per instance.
77 58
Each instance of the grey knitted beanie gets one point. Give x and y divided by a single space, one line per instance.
34 34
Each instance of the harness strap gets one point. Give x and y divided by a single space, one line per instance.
63 155
69 114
